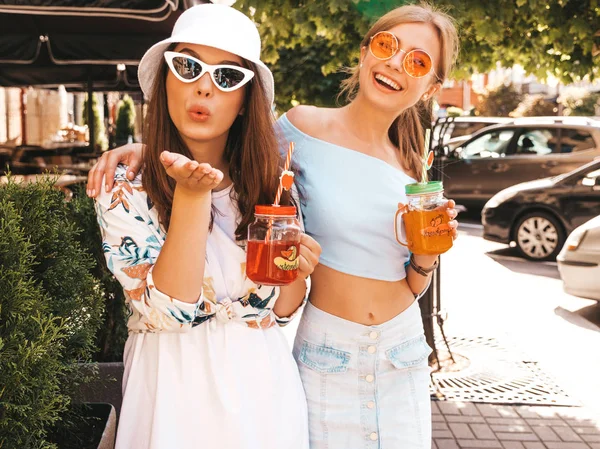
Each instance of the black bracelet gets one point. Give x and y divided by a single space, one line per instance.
419 269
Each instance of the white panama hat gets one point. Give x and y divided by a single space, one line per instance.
213 25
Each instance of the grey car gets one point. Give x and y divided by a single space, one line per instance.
525 149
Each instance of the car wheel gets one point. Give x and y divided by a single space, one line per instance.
539 236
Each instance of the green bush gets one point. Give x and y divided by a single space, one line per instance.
113 332
125 120
50 310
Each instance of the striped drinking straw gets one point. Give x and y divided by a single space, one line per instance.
287 177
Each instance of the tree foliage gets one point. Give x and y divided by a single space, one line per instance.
308 42
580 102
535 106
499 102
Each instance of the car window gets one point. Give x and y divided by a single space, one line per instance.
466 128
591 179
491 144
573 140
537 142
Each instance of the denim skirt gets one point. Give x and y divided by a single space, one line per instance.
367 387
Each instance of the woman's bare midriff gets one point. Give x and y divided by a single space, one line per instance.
361 300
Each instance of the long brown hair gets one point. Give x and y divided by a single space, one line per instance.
251 151
407 131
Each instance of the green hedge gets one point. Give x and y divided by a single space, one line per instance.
111 337
51 311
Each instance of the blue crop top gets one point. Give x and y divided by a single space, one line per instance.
350 202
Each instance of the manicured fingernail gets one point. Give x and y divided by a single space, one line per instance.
87 192
93 192
106 188
130 174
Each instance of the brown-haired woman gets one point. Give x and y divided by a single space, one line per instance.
206 364
360 346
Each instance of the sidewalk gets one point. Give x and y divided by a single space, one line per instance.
458 425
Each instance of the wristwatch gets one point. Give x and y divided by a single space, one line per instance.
419 269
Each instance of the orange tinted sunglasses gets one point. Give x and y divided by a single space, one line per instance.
417 63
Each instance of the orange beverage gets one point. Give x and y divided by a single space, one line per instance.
424 219
272 262
273 248
427 231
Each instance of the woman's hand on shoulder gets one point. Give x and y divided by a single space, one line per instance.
189 174
130 155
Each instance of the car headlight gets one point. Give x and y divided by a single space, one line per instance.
499 198
575 239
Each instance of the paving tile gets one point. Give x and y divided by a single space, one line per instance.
513 428
461 430
545 433
546 422
440 426
483 431
506 421
588 430
563 445
487 410
479 444
469 409
513 436
567 434
507 411
446 444
526 412
448 408
512 445
442 434
545 412
591 438
534 445
465 419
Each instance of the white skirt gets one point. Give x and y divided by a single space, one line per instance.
221 386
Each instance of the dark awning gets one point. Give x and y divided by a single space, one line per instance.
69 42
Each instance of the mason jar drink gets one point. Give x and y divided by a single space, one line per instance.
273 247
424 219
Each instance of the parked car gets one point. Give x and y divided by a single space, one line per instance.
500 156
538 215
452 131
579 261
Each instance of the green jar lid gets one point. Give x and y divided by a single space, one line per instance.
424 188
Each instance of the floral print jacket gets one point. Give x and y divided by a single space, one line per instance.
132 240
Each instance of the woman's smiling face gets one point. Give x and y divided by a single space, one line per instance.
386 83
